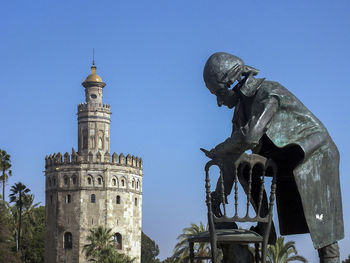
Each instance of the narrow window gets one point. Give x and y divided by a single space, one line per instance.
51 199
118 199
99 180
92 221
123 183
117 238
100 140
93 198
114 182
89 180
135 201
68 240
74 180
137 185
133 184
68 199
49 181
65 180
54 181
85 139
92 139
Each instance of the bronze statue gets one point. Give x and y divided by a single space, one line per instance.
270 121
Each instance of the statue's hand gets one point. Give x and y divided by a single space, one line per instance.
209 154
215 204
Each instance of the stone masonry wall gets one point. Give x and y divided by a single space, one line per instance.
70 184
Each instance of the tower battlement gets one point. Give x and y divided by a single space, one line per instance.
92 106
122 160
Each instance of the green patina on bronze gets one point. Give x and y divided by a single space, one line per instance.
269 120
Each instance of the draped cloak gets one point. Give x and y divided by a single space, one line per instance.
308 196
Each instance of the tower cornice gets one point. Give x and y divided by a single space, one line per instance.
89 84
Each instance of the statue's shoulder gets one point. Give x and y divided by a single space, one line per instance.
271 88
269 85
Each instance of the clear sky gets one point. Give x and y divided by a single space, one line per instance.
151 55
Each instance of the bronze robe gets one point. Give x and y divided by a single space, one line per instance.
275 124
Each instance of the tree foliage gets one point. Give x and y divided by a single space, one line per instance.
149 250
7 242
346 260
22 228
102 248
17 196
5 165
283 252
182 249
33 239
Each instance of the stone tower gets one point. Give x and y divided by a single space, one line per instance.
91 188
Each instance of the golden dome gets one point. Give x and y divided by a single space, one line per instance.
93 77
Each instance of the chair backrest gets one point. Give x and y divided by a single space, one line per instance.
249 171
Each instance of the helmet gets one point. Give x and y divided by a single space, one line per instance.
223 69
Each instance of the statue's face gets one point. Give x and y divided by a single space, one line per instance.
224 96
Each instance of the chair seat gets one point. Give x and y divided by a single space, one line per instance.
229 236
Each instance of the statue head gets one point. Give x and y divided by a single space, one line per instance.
221 71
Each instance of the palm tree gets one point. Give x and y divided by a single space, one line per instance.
6 241
18 191
282 252
5 165
29 215
182 249
102 247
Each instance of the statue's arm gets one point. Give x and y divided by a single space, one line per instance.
248 136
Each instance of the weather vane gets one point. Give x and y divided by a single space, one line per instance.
93 57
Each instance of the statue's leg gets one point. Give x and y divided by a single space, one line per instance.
236 253
329 254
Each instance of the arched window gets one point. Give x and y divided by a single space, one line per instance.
118 240
89 180
54 181
99 180
51 199
133 184
123 182
49 181
68 240
114 182
118 199
65 180
93 198
137 185
135 201
74 180
68 199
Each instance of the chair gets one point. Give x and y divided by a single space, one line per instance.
250 172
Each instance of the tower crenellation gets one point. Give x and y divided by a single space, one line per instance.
92 187
55 160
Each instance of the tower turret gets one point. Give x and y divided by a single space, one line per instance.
93 118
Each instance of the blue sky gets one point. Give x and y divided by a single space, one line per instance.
151 55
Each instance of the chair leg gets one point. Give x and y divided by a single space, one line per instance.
191 252
257 253
263 251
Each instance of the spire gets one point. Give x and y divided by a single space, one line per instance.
93 78
93 67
